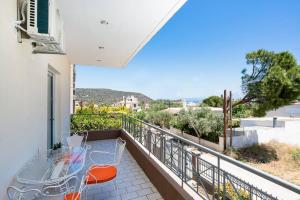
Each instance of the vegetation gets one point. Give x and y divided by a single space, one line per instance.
181 121
202 123
255 154
56 146
276 158
273 81
107 96
159 118
97 118
296 155
230 193
213 101
158 105
242 111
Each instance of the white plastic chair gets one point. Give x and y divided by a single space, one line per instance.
14 193
78 139
58 189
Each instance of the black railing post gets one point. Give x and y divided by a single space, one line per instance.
161 148
218 178
141 134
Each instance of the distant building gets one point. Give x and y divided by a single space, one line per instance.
130 102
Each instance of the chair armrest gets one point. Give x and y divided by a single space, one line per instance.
22 191
64 185
98 152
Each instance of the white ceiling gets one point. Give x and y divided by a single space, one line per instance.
131 24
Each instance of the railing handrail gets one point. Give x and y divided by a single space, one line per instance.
244 166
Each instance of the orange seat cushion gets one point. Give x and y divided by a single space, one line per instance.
100 174
72 196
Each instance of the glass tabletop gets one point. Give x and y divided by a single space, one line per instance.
52 166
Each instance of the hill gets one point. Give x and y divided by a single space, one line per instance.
106 96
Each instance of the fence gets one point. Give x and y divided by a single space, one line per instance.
197 166
207 178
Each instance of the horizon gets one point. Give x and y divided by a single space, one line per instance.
201 50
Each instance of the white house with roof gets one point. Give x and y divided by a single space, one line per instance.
130 102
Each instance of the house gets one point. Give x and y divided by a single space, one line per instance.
130 102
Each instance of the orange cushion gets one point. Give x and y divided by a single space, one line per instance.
72 196
100 174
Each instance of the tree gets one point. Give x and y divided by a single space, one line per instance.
242 111
213 101
272 82
159 118
181 121
205 122
157 105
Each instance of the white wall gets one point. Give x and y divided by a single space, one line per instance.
286 111
247 136
23 97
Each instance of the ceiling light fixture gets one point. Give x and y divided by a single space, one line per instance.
98 60
100 47
104 22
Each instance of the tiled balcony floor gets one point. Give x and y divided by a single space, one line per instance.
131 180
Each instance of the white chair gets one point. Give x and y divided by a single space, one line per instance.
78 139
69 189
105 172
58 189
14 193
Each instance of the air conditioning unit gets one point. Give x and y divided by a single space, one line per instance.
45 26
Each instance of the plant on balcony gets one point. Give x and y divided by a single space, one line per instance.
56 146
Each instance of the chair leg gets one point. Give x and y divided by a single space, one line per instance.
85 193
116 188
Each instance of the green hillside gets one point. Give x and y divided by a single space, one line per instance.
106 96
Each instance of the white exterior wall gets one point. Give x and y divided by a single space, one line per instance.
247 136
286 111
23 98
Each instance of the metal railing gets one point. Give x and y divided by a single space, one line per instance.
199 167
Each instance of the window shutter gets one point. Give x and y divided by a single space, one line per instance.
43 16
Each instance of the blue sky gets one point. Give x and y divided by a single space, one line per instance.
201 50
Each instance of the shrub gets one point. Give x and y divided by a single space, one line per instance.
231 194
258 154
236 123
296 155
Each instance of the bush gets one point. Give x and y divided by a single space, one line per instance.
296 155
95 122
236 123
257 154
231 194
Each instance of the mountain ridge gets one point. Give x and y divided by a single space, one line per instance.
106 96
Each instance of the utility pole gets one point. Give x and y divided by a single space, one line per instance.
230 117
225 118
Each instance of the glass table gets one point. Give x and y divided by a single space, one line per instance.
52 166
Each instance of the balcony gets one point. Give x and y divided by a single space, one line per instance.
132 181
160 165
